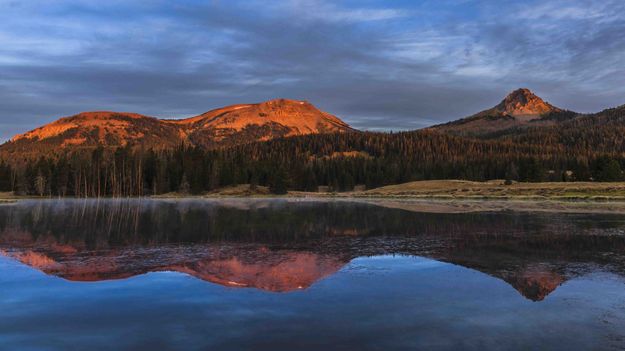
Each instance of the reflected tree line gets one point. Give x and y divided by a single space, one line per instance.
95 224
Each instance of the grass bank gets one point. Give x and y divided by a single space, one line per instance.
498 190
433 189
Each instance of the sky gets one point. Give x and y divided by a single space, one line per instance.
377 64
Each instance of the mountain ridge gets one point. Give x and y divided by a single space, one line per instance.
521 117
225 126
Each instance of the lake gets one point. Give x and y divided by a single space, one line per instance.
262 274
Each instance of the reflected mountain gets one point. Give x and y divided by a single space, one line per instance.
277 271
282 246
536 283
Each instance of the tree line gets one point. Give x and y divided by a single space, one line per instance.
337 162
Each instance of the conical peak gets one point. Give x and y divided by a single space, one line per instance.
523 102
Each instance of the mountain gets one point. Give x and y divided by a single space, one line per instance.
258 122
521 108
90 129
527 121
225 126
521 104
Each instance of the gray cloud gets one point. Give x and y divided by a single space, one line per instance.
377 64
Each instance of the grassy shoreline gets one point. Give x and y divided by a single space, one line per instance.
429 190
498 190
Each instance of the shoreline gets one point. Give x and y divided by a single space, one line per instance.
312 196
413 204
434 190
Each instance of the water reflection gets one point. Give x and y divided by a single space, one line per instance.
281 246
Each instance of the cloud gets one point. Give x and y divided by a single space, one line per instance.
565 10
319 10
377 64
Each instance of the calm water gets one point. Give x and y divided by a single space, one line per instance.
306 275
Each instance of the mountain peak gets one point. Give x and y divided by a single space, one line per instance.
282 101
519 108
523 102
